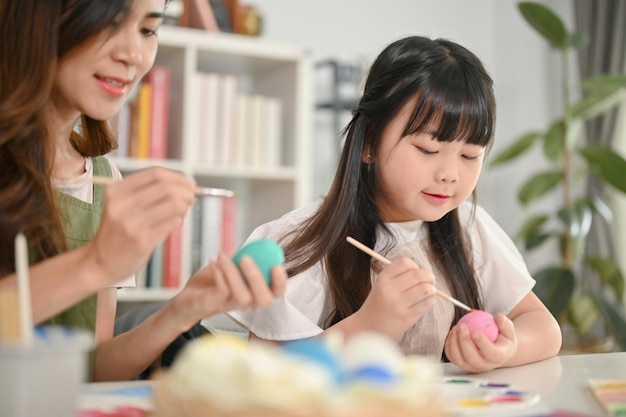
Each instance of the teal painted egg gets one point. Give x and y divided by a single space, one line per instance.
266 253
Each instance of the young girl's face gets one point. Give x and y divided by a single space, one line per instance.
421 177
96 77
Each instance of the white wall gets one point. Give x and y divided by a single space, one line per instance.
523 68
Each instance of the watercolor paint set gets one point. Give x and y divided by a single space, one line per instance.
479 397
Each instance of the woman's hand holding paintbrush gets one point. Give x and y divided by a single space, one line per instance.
139 212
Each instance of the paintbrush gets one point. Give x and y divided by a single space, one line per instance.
198 190
386 261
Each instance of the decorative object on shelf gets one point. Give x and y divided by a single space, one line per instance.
584 290
245 19
198 14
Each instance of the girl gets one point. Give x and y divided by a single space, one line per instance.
69 61
413 154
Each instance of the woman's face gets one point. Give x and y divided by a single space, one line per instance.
96 77
421 177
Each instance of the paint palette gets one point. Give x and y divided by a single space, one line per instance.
479 397
611 393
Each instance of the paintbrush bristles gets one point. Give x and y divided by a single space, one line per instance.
386 261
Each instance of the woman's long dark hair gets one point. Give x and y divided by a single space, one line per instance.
35 35
443 82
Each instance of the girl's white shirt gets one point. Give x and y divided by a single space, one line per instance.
501 272
82 189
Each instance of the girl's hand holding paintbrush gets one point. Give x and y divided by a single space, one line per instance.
401 294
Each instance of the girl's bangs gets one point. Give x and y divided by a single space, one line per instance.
454 111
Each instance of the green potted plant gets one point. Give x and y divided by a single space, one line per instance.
583 290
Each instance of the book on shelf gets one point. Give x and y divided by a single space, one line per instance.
172 259
143 122
214 229
222 15
272 134
235 128
255 124
159 80
141 143
198 14
261 124
154 272
208 109
228 90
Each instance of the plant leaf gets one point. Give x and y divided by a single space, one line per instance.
553 141
605 82
578 39
613 316
531 226
535 240
609 272
606 164
518 147
531 234
597 104
538 185
544 21
582 313
555 287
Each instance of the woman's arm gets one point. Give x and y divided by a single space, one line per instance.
219 287
60 282
139 212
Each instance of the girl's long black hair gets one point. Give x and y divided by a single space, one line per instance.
444 83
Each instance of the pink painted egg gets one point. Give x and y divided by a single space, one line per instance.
481 321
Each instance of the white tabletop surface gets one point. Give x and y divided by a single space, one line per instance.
561 382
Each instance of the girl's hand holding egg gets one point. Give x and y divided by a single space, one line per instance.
481 321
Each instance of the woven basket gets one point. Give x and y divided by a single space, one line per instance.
168 404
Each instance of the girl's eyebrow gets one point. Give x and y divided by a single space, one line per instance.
155 15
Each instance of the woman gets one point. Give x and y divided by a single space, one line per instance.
67 67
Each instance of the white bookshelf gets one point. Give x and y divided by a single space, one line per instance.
262 67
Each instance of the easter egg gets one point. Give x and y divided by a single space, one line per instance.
266 253
481 321
316 351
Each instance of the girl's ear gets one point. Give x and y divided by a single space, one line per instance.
367 156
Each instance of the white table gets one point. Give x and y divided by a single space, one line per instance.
561 381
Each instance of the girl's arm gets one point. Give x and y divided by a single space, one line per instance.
537 332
